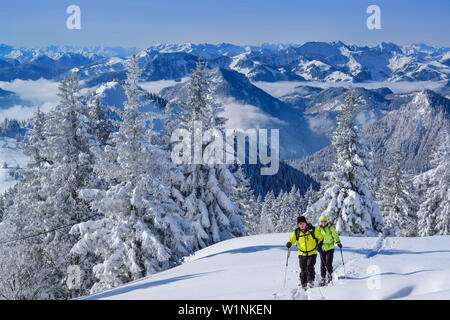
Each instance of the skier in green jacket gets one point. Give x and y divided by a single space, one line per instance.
330 237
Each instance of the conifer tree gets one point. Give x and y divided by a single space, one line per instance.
207 187
266 220
47 199
434 211
244 199
139 231
397 201
346 198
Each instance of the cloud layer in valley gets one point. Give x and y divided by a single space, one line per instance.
40 93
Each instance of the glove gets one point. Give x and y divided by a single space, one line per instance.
339 245
288 245
319 247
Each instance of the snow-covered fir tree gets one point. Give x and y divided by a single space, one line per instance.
139 230
99 115
170 123
266 224
244 198
207 187
296 207
346 198
279 211
35 148
433 188
71 159
46 200
258 209
286 209
397 201
310 197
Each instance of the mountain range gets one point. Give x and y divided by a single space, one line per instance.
311 61
412 129
298 89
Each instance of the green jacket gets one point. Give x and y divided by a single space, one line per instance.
330 236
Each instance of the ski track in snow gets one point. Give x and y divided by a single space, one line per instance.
254 267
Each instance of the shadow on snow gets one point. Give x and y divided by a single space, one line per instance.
404 292
139 286
251 249
388 252
386 274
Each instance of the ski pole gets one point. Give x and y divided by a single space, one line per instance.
285 272
342 257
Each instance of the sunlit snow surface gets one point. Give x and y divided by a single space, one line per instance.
253 268
13 156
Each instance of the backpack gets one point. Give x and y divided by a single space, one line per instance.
311 232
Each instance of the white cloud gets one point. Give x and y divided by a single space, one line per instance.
278 89
246 116
20 112
157 86
365 118
37 92
402 86
42 93
321 125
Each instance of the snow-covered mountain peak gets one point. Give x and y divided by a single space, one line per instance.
421 98
430 99
311 61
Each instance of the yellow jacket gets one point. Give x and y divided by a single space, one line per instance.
306 244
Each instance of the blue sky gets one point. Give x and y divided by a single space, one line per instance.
144 22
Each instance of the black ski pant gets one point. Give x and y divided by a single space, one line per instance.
326 262
307 271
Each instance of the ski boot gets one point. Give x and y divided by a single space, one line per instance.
310 284
304 286
323 282
330 278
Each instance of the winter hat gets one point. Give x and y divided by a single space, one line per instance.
301 219
323 218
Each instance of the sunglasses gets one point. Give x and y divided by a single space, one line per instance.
324 221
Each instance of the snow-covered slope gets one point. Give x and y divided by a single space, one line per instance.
253 268
13 157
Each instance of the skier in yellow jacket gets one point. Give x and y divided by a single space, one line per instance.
309 241
330 237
